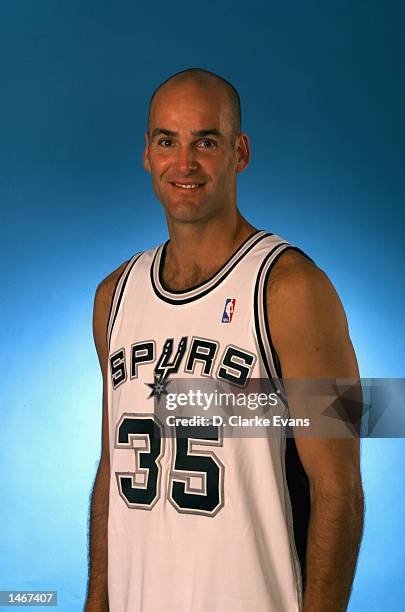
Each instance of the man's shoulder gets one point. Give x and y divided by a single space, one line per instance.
102 305
300 297
296 280
293 266
106 287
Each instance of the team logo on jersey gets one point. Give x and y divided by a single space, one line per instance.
228 310
158 386
233 364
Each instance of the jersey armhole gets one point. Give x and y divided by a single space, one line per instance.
118 295
295 476
267 351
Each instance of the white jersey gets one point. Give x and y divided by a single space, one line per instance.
205 524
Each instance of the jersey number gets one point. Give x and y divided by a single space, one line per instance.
195 483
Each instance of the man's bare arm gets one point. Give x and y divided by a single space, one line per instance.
310 334
97 593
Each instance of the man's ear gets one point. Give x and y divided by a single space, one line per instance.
146 163
243 158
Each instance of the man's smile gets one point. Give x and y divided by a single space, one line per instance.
188 186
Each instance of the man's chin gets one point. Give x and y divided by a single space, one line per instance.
186 212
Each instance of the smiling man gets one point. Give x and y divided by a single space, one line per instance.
199 521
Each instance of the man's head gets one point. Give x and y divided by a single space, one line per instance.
194 138
204 78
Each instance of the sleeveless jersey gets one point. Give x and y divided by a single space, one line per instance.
207 524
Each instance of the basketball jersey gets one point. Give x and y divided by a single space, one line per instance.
207 524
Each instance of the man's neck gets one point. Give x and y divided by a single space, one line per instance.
195 253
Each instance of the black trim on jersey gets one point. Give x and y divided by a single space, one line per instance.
203 283
112 303
127 270
276 359
182 291
256 308
299 491
296 477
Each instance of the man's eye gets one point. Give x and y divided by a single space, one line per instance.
164 140
211 143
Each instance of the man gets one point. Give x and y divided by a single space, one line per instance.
209 526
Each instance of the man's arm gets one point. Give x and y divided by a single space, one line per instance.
97 593
310 335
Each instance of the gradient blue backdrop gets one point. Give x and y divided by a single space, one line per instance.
323 102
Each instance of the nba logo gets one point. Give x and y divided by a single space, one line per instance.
228 310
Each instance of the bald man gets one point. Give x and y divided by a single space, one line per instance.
198 521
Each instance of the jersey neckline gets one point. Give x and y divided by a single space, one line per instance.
184 296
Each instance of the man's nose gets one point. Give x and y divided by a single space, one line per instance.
186 159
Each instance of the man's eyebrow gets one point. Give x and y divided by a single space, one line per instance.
210 132
199 133
157 131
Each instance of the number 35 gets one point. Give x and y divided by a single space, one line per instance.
196 479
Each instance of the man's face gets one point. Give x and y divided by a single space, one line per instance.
190 153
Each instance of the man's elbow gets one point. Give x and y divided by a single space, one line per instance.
348 491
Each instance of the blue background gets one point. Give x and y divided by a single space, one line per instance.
323 102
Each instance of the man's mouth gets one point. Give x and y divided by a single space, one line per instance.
188 186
